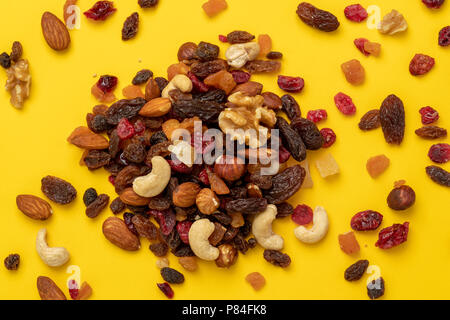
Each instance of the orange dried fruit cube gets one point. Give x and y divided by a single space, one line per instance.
377 165
265 44
307 182
132 91
373 48
354 72
101 96
177 68
170 126
213 7
348 243
256 280
221 80
326 165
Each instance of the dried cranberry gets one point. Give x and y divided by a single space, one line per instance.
356 13
439 153
393 236
198 85
366 220
125 129
166 220
179 166
291 84
166 289
421 64
429 115
359 43
433 4
101 10
317 115
107 83
283 154
240 76
302 214
344 103
112 179
203 177
223 38
73 289
139 127
329 137
444 36
127 218
183 228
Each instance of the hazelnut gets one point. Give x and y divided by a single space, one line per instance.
227 256
229 168
187 51
271 100
250 88
207 201
188 263
401 198
184 195
217 184
253 191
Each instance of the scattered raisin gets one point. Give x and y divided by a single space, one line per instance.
247 206
431 132
89 196
277 258
12 262
99 124
58 190
5 60
145 227
147 3
159 249
309 133
263 66
317 18
96 159
290 107
239 37
274 55
204 69
392 118
375 289
284 209
366 220
117 206
262 181
161 82
17 51
135 152
159 203
206 110
96 207
392 236
124 109
172 276
130 27
370 121
142 77
439 175
285 184
291 140
207 51
356 270
127 218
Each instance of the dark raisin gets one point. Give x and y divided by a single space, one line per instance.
147 3
393 236
160 149
96 159
240 244
392 118
173 239
308 131
5 60
252 243
99 124
142 210
291 140
356 270
96 207
439 175
262 66
431 132
130 27
135 152
238 192
113 168
117 206
158 137
262 181
127 218
153 123
159 249
284 209
204 69
124 109
12 262
89 196
370 121
223 218
285 184
17 51
114 144
277 258
206 110
183 251
207 51
142 77
217 95
58 190
290 106
274 55
230 234
366 220
239 37
172 276
247 206
375 289
145 227
166 220
126 177
317 18
159 203
161 82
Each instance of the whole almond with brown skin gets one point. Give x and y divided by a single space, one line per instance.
34 207
185 194
48 290
156 107
55 32
117 232
250 88
128 196
84 138
152 90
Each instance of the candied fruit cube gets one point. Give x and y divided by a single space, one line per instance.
307 182
213 7
132 91
327 166
377 165
221 80
354 71
348 243
265 44
177 68
373 48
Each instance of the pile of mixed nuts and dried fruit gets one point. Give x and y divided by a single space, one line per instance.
154 143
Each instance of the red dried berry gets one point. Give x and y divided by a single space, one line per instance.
344 103
166 289
166 220
359 43
125 129
127 218
355 13
179 167
439 153
421 64
393 236
317 115
73 289
433 4
291 84
366 220
240 76
101 10
444 36
302 215
107 83
283 154
329 137
203 177
183 228
112 179
198 85
139 127
223 38
429 115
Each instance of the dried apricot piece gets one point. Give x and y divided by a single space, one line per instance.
354 72
326 165
348 243
265 44
132 91
377 165
213 7
221 80
372 48
256 280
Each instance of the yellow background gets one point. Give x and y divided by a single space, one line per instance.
33 145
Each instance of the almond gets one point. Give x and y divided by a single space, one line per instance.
128 196
85 291
84 138
34 207
55 32
156 107
48 290
185 194
152 90
117 232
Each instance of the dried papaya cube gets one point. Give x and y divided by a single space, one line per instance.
213 7
348 243
327 166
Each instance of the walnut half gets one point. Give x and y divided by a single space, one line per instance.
18 83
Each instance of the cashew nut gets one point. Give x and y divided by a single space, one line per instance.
181 82
198 240
239 54
262 229
156 181
318 230
53 257
183 151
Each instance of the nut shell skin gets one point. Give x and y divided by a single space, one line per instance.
229 168
401 198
